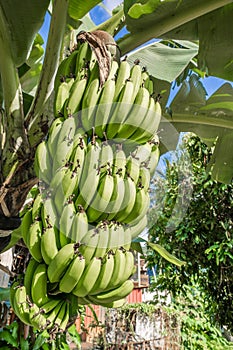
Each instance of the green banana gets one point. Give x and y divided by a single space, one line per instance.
140 208
136 229
136 78
105 275
25 225
144 178
49 215
75 97
118 293
65 319
106 157
104 108
102 245
123 75
21 304
72 275
89 244
78 156
36 207
34 240
117 198
66 69
128 201
82 60
13 288
50 305
39 285
133 168
149 125
113 71
143 152
80 225
120 110
60 316
89 103
64 146
88 279
29 273
147 82
61 96
43 163
37 318
136 115
53 135
101 198
90 175
129 266
60 262
49 244
119 269
66 221
51 317
119 163
116 236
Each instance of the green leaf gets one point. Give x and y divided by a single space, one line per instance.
139 9
75 336
78 9
5 335
24 345
137 247
40 340
171 61
206 21
165 254
23 19
215 55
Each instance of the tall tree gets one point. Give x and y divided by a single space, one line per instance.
202 238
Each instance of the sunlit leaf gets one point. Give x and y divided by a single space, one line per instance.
78 9
23 19
139 9
182 20
162 61
165 254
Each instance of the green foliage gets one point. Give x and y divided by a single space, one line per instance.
12 338
202 237
197 330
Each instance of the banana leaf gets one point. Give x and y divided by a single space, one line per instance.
210 22
23 20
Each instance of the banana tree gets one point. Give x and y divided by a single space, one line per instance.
194 36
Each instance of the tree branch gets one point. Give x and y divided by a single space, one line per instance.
196 9
51 61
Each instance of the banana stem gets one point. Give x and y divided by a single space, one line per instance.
13 116
50 65
9 77
180 17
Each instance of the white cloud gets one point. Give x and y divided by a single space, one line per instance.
111 4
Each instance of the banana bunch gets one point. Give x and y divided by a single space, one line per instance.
94 168
122 108
32 304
